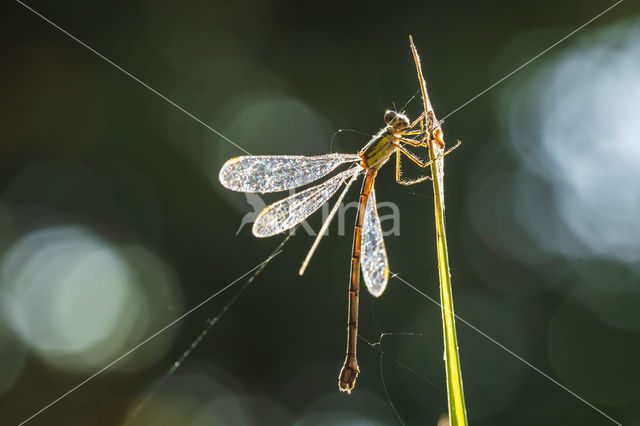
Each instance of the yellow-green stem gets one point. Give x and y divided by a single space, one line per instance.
455 393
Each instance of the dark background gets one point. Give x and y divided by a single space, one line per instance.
85 146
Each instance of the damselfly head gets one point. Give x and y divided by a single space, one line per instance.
399 122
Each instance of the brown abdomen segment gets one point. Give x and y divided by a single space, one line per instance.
350 370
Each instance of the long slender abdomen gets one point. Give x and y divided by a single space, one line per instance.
350 370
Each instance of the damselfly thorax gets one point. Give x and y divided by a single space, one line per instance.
273 173
384 144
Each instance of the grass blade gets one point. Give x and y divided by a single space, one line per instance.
455 393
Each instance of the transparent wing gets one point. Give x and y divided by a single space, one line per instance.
289 212
272 173
373 261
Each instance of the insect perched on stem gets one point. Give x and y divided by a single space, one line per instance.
272 173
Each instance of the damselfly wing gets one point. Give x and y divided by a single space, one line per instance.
287 213
273 173
374 264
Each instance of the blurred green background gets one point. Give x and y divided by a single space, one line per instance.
113 223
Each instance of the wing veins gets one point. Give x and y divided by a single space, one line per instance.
374 262
290 211
273 173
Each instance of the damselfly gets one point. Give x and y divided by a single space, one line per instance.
273 173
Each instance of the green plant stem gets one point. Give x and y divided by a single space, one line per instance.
455 393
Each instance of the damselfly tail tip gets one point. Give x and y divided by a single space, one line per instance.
348 374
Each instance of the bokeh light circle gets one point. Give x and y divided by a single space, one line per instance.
574 125
80 301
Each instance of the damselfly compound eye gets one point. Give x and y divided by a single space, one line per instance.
390 117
